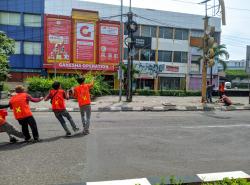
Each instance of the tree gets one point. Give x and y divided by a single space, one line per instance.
7 46
220 52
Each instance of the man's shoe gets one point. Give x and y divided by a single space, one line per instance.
37 140
13 140
86 132
27 140
68 134
76 129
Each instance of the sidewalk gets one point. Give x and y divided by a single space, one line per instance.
148 103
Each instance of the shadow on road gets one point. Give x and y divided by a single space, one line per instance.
214 115
15 146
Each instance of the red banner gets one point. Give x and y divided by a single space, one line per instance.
94 67
172 68
109 46
85 42
58 39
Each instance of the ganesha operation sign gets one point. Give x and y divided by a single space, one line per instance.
87 67
85 42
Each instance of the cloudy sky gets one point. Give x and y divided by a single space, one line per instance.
236 34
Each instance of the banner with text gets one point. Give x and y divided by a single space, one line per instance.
58 39
109 42
84 42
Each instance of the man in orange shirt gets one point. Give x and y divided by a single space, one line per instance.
221 89
57 97
82 94
8 128
19 103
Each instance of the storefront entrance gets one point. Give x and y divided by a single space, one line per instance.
170 83
145 84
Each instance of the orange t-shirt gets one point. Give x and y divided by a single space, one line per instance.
82 94
20 106
58 102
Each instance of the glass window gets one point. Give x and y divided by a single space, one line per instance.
32 48
148 31
153 31
180 57
147 55
197 33
145 31
32 20
165 56
166 33
8 18
181 34
17 47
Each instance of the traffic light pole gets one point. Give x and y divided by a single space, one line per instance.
130 60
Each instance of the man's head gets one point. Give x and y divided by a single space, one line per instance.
19 89
80 80
56 85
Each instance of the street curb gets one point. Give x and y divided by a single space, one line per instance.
204 108
188 180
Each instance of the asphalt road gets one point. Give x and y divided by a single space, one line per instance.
129 145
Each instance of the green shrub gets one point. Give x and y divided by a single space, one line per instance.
35 84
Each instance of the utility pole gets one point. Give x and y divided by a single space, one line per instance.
121 53
205 45
205 50
132 28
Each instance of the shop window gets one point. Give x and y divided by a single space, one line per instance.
17 47
181 34
180 57
147 55
32 48
166 33
165 56
13 19
170 83
148 31
32 20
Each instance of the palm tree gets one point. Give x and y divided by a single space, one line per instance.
221 53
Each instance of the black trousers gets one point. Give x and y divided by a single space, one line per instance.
29 121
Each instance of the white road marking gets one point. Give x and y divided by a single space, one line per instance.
208 177
142 181
214 126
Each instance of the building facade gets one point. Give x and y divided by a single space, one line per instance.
172 61
22 20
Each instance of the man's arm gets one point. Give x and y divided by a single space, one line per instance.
35 100
47 97
66 95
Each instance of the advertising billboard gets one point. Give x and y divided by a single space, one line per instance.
84 44
57 39
109 43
